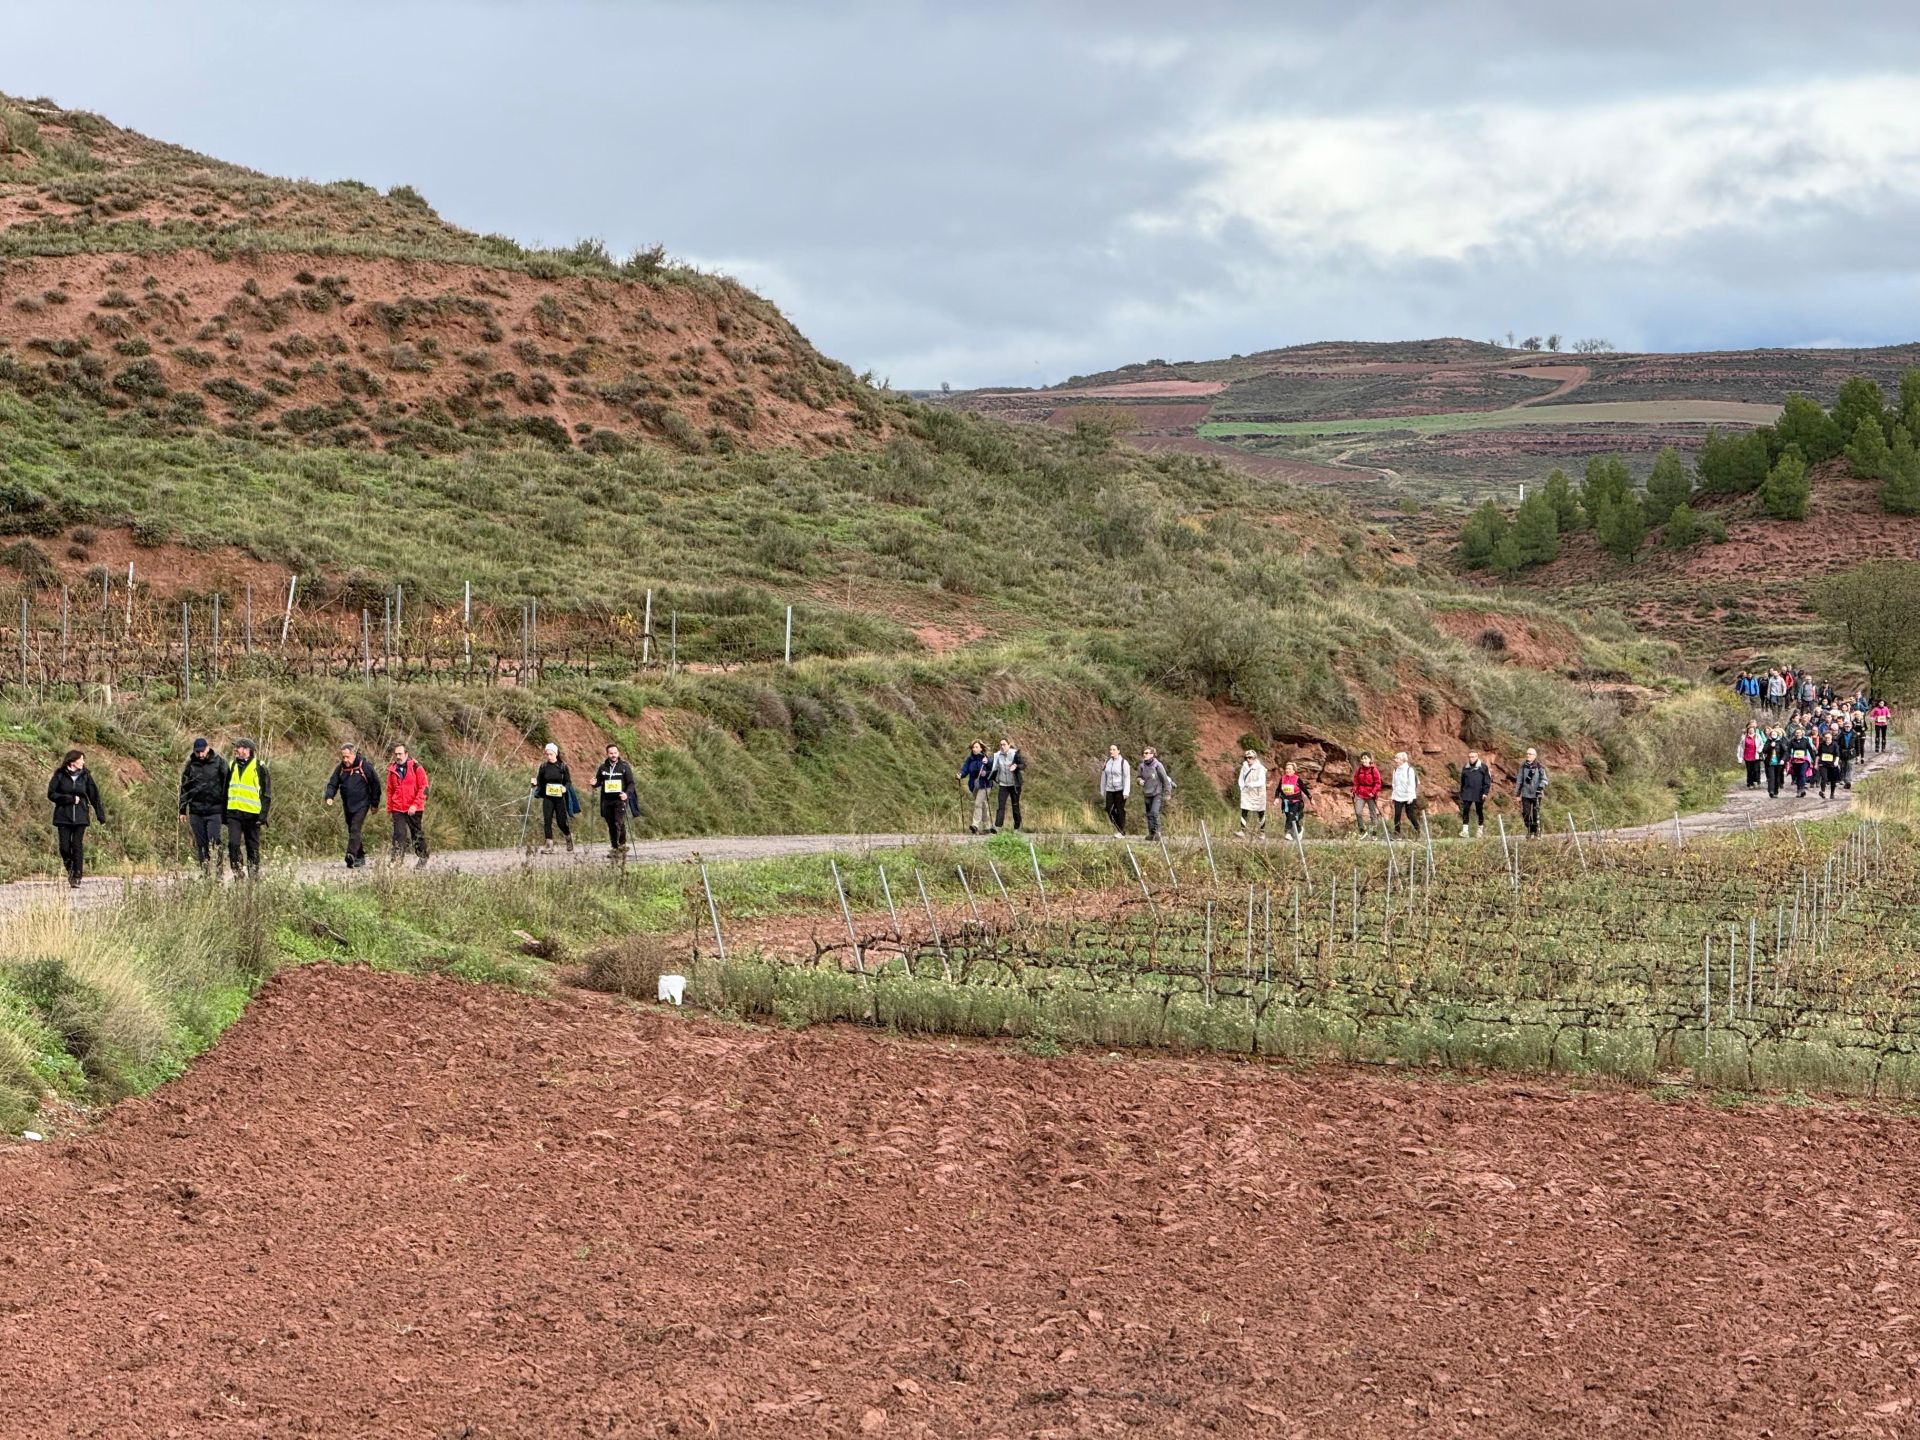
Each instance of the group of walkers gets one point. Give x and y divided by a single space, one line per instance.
234 792
1816 738
993 780
615 784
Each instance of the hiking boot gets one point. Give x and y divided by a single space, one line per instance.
421 863
569 844
547 849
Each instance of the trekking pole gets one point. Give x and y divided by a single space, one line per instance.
526 816
713 913
1206 840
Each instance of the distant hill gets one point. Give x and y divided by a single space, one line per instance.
1447 420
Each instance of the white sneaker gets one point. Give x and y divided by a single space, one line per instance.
1483 832
1465 830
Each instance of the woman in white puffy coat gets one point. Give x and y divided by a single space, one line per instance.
1253 795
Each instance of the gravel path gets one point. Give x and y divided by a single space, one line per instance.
1742 809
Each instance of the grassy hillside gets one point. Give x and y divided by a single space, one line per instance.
229 380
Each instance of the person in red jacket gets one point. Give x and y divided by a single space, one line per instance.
407 805
1366 795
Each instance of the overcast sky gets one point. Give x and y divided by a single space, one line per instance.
984 193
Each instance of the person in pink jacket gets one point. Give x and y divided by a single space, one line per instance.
1882 716
1750 747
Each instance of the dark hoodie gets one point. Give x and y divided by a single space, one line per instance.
203 784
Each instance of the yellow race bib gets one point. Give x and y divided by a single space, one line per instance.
613 785
554 792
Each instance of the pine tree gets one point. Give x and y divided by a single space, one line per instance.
1682 528
1506 556
1608 482
1804 423
1480 535
1859 399
1752 458
1900 495
1910 401
1786 489
1536 532
1714 463
1622 527
1869 453
1668 487
1566 507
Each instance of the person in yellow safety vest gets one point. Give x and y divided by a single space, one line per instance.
249 800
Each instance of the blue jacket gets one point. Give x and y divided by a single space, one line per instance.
977 772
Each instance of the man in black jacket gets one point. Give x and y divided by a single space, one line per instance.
357 784
203 802
614 783
1475 781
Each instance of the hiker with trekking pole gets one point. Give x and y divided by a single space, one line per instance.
976 779
553 783
614 783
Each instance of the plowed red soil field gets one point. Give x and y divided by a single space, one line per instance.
400 1207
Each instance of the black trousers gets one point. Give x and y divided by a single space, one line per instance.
1829 779
1530 813
1776 777
1753 774
73 850
1479 806
1408 810
616 818
1879 738
206 837
409 829
553 811
1117 810
1294 815
356 846
1009 794
243 832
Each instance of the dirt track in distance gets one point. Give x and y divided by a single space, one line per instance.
388 1206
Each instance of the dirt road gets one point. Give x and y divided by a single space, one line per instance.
1741 809
413 1207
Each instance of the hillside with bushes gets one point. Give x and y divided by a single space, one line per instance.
950 576
1723 553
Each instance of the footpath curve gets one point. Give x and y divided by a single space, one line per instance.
1741 809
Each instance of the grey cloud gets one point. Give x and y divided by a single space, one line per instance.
946 192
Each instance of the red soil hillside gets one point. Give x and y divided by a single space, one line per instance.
143 278
1751 595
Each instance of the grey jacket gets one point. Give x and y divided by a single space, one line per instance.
1531 782
1154 779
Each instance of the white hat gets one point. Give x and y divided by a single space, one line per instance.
552 749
